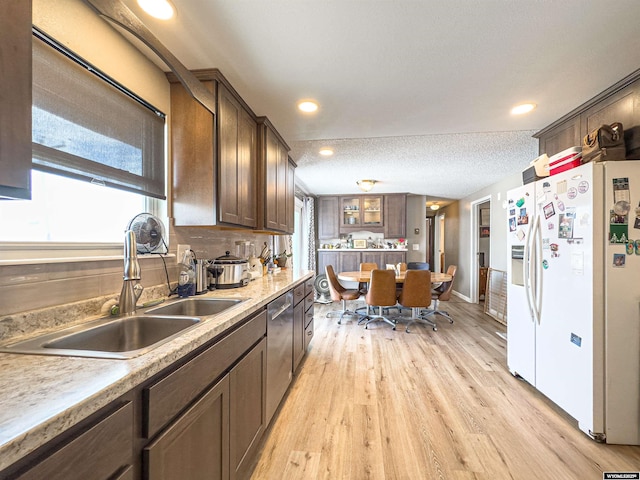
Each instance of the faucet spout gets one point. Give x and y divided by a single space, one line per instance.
131 289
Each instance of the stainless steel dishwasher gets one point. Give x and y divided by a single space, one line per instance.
279 350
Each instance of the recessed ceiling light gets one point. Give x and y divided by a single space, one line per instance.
161 9
523 108
308 106
326 152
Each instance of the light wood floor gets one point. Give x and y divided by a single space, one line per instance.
383 404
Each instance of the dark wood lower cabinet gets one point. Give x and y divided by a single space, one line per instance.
196 445
247 418
102 452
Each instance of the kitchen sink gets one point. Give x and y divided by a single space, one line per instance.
194 306
123 337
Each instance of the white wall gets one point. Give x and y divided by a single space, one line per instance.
416 218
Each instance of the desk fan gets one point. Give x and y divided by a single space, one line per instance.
149 232
321 286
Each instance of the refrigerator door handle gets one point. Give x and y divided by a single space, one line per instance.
527 270
537 285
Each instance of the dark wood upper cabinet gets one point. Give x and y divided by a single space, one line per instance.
276 187
328 213
618 103
15 99
213 156
395 222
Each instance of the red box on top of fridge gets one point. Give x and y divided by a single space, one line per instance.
565 160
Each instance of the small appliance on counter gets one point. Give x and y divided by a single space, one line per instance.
229 271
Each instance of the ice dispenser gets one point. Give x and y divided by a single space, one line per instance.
517 265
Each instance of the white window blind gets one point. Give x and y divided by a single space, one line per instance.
87 126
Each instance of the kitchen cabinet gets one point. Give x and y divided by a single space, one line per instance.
395 222
618 103
197 442
101 450
15 102
361 212
328 212
213 156
276 192
349 260
309 301
298 324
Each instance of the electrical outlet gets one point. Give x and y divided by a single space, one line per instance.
416 246
180 252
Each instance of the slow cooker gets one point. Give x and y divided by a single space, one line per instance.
230 271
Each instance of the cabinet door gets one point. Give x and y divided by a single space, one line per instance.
15 101
298 334
328 211
99 453
350 212
229 177
349 261
290 196
374 257
272 156
393 258
564 136
327 258
622 106
247 418
282 197
196 445
372 211
247 163
395 216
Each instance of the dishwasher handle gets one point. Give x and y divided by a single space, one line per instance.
280 311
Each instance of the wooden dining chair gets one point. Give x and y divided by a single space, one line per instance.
416 295
381 294
443 293
340 294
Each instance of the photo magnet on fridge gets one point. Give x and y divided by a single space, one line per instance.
619 259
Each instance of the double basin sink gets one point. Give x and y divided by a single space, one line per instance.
127 336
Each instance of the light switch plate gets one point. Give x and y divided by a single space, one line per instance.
416 246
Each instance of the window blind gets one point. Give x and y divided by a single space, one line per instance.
85 125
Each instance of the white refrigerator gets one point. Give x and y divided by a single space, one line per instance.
573 297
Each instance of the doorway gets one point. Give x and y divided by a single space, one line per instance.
439 252
480 254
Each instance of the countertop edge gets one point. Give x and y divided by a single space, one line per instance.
54 393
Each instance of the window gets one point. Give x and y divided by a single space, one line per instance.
98 155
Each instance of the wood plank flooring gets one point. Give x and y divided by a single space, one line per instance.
383 404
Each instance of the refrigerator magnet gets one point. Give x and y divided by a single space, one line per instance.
619 260
520 202
637 247
549 211
572 193
561 205
545 264
583 186
630 247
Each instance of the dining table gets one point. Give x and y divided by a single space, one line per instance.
365 277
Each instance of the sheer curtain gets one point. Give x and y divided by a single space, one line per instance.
309 233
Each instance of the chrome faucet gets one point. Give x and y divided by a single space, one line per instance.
131 289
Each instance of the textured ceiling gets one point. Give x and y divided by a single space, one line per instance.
405 85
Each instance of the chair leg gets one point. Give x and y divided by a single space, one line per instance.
416 316
441 312
342 313
380 316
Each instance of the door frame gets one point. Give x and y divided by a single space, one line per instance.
474 269
438 239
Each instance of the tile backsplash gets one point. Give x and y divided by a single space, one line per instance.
25 288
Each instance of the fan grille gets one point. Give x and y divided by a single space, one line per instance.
149 232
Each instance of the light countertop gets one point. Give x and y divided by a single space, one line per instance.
41 396
399 250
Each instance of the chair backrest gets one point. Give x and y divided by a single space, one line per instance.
416 290
368 266
417 266
446 287
382 288
334 285
403 266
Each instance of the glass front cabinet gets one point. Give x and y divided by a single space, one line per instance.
361 212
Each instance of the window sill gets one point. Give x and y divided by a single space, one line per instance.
41 253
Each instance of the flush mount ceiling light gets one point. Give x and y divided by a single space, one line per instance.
434 206
523 108
366 185
307 106
160 9
326 152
